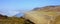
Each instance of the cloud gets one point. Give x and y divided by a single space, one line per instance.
11 13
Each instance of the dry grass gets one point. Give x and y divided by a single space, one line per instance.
12 21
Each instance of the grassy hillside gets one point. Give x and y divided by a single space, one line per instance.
11 20
48 8
14 20
44 15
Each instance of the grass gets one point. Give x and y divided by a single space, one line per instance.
12 21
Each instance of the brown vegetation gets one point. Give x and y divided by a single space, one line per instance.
13 20
3 16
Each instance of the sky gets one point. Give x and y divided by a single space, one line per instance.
12 7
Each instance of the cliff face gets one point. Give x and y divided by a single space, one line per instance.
44 15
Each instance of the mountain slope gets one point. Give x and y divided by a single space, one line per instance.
44 15
48 8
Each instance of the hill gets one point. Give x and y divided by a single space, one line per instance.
44 15
13 20
48 8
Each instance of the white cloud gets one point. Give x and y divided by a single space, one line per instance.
11 13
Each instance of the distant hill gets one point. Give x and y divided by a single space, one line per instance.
48 8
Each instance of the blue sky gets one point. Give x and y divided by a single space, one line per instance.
12 7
